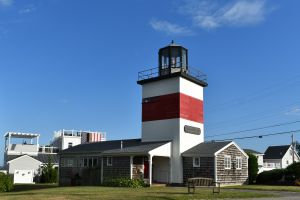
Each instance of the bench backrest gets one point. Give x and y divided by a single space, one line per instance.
199 181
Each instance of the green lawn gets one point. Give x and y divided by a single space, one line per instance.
32 192
268 187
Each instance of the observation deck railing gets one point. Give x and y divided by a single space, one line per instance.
154 72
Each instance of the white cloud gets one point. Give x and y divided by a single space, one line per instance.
170 28
27 9
213 14
294 111
5 3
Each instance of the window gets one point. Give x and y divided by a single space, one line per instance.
70 144
109 161
287 162
85 162
196 162
239 161
95 162
227 162
70 162
90 162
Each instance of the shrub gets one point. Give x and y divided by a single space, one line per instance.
294 170
49 174
272 177
292 173
252 168
125 182
6 183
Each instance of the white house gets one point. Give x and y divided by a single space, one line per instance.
279 157
23 156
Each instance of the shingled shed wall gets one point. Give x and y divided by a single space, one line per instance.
78 174
232 176
205 170
120 168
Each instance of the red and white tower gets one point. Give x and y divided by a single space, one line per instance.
172 105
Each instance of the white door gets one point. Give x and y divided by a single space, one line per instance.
23 176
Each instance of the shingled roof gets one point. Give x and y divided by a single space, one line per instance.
43 158
276 152
206 149
114 147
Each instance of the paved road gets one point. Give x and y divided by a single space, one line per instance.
281 195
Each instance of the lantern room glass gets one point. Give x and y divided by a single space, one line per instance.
172 59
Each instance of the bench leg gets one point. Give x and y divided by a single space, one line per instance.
189 189
217 188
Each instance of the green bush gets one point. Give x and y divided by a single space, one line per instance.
272 177
124 182
6 183
288 176
292 173
294 170
252 168
48 173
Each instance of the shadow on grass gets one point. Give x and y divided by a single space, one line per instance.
165 198
27 187
171 193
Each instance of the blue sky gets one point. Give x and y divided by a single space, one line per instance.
73 64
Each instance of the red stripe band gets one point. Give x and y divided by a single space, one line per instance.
170 106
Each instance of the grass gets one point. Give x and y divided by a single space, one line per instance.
32 192
267 188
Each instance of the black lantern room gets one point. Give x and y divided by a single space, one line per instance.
172 58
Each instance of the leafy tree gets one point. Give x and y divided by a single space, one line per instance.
252 168
298 147
49 174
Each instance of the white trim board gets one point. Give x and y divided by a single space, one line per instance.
22 157
241 150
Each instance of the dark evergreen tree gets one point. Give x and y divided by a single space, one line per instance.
298 147
252 168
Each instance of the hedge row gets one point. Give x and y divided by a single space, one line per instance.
125 182
6 183
288 176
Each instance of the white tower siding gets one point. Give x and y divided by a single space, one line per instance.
173 128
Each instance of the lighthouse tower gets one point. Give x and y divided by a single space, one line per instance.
172 104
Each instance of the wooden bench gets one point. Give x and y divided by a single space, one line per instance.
203 182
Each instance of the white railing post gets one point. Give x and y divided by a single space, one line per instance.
150 169
131 163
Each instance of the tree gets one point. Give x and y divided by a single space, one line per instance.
252 168
49 174
298 147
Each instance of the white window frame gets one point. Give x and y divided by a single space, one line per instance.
239 162
194 162
70 144
109 163
227 162
83 162
70 162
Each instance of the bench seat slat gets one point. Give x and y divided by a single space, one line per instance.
200 182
